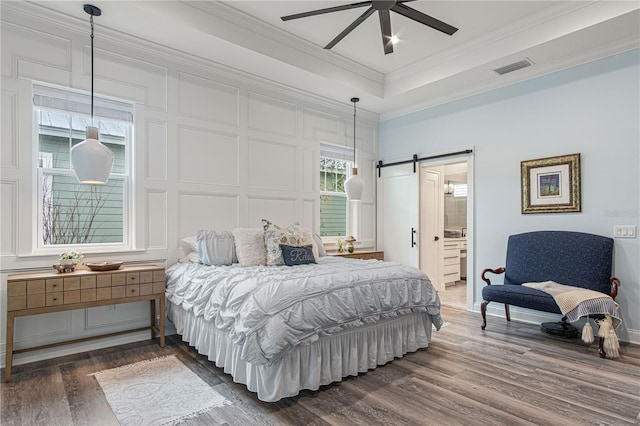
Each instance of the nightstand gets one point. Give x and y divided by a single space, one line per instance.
46 292
362 254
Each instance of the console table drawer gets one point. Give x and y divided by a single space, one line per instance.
54 298
53 285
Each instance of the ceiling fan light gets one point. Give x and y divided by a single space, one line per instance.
91 160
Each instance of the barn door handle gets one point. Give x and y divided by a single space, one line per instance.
413 242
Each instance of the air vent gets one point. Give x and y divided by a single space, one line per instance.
515 66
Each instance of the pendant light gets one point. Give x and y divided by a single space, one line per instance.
90 159
354 185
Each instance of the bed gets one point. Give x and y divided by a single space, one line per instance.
281 329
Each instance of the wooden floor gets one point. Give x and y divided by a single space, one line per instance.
511 374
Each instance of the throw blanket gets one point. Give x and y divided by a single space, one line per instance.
270 309
576 302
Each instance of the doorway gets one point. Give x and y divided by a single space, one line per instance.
449 210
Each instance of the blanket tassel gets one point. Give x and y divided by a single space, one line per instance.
611 344
587 332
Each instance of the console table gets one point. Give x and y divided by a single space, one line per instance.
362 254
43 293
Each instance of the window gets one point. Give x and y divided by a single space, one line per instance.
334 164
70 213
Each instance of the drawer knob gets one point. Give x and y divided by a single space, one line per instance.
55 285
55 298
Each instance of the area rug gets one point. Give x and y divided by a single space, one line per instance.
160 391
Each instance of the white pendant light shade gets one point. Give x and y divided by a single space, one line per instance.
91 160
354 186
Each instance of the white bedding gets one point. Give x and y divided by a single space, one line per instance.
269 310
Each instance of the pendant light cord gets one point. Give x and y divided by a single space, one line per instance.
354 134
354 100
91 21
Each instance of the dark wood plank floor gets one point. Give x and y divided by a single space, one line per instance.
511 374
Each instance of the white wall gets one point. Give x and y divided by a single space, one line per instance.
592 110
214 148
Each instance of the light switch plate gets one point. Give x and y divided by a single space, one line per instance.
625 231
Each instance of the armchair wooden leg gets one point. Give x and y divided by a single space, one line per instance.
506 312
601 351
483 310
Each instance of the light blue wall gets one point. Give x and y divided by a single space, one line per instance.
593 109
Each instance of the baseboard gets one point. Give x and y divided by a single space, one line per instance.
538 317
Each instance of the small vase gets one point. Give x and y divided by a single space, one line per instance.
350 247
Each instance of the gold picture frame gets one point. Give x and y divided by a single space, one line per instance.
551 185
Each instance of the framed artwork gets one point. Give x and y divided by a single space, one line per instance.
551 185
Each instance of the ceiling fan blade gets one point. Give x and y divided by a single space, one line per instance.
350 28
327 10
385 28
424 19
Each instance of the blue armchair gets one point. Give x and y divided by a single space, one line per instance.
570 258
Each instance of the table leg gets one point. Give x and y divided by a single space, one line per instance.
163 314
152 305
9 347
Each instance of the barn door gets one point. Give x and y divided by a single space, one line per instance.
398 209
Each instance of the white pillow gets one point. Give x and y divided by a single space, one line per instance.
250 248
321 251
216 247
190 248
189 244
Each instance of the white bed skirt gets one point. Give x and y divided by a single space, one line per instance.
327 360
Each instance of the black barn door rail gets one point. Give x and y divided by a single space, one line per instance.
415 159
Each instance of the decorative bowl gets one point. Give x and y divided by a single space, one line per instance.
104 266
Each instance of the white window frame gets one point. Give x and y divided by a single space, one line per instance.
127 244
343 153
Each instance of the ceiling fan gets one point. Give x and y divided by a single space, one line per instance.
383 7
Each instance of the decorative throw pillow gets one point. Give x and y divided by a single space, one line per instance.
274 236
297 255
293 235
321 251
250 247
216 247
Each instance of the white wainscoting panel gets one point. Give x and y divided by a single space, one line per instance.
33 46
280 211
157 209
206 156
8 216
8 136
272 165
203 211
207 99
128 315
368 224
156 149
308 214
129 78
314 120
267 114
311 167
32 329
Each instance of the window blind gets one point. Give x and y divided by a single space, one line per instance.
53 99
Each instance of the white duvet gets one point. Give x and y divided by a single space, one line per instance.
270 309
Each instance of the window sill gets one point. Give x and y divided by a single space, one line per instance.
43 253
